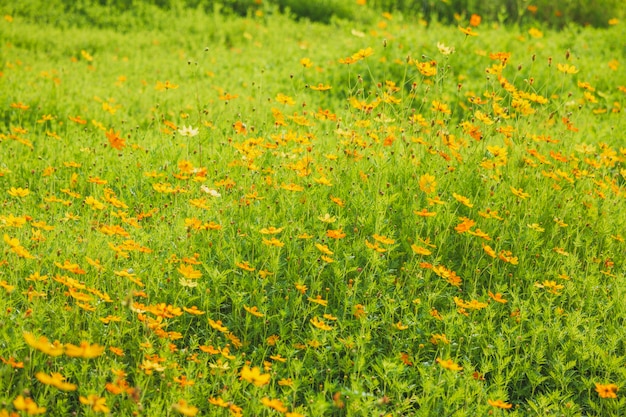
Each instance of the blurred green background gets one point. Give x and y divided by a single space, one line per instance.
556 14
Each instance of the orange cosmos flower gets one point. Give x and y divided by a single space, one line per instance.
359 311
499 404
115 140
607 390
12 362
335 234
465 225
78 120
116 351
497 297
347 61
20 106
245 266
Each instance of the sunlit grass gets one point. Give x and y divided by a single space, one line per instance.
256 216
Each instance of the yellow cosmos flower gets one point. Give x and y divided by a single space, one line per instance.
324 249
56 380
97 404
420 250
245 266
566 68
427 183
18 192
463 200
275 404
254 376
43 345
320 324
518 192
189 272
449 364
185 409
254 310
362 54
273 242
271 230
85 350
27 404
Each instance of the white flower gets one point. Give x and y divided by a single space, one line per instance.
445 50
210 191
188 282
188 131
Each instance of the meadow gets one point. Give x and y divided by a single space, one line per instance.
209 214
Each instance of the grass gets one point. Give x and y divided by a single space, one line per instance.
255 216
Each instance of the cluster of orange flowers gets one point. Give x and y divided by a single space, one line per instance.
207 208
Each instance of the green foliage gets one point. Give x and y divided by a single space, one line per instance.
104 13
316 179
555 13
318 10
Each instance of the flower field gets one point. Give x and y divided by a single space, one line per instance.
257 216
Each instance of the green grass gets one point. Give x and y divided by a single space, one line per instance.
365 303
